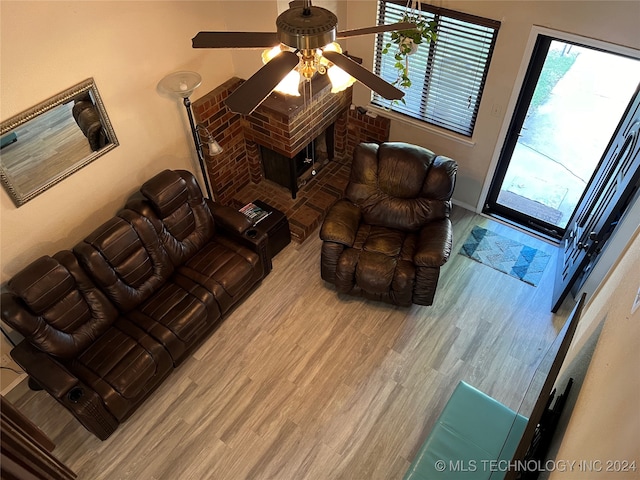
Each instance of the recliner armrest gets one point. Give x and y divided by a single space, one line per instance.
229 218
235 225
341 223
434 244
84 403
44 369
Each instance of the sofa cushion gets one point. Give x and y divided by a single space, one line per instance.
379 265
167 192
122 366
394 187
177 317
403 169
225 269
43 283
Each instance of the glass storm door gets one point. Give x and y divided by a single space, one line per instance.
571 102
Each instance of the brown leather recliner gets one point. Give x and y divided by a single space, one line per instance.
387 239
104 324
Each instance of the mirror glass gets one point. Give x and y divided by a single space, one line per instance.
47 143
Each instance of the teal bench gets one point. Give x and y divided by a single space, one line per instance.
474 437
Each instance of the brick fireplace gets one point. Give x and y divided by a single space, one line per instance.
287 125
237 175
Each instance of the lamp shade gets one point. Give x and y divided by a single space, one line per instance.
290 84
180 84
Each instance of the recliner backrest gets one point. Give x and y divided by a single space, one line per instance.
56 307
401 186
186 221
125 258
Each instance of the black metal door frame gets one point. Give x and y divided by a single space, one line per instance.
491 206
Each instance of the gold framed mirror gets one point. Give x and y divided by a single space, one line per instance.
47 143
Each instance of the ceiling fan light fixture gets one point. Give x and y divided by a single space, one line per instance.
329 47
270 53
307 37
340 80
332 47
290 85
304 29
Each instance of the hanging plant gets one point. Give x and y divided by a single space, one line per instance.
407 42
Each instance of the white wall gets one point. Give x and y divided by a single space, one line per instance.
127 47
611 21
604 425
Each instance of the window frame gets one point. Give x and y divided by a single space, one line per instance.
462 128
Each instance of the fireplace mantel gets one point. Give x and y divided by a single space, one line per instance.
287 124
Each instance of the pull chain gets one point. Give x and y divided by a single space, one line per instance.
310 150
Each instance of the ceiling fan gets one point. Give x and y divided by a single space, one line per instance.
306 36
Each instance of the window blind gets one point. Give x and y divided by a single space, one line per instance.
447 76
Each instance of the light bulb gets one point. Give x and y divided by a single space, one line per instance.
340 80
333 47
214 147
290 84
183 86
270 53
329 47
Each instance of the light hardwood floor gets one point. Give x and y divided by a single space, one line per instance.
302 383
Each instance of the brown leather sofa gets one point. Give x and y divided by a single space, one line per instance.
104 324
388 237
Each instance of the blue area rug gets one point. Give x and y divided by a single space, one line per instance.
505 255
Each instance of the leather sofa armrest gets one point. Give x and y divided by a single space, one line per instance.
341 223
44 369
84 403
228 218
236 226
434 244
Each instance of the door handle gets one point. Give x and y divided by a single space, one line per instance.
586 246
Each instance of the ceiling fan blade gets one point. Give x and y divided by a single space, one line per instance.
235 40
378 29
370 79
251 93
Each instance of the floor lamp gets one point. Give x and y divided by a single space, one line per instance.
182 85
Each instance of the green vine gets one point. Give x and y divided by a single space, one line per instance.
424 32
